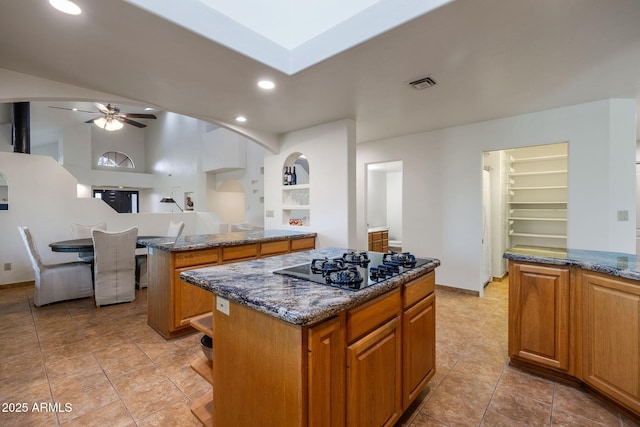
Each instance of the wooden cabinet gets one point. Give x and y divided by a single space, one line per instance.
350 370
374 364
419 347
172 303
379 241
611 337
326 383
539 302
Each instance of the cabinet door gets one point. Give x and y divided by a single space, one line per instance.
539 314
611 337
419 345
326 374
189 300
374 377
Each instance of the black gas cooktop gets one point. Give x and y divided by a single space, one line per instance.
354 270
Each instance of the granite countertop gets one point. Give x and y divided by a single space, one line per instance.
297 301
613 263
206 241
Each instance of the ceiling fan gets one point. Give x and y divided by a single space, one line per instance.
111 118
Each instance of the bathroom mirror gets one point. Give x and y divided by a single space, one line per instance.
4 193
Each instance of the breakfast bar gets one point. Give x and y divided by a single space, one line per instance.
171 302
288 351
575 315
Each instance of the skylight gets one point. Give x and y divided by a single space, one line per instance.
289 35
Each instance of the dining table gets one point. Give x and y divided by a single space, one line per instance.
86 244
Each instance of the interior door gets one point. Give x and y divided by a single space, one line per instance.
486 227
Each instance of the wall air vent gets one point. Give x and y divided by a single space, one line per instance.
423 83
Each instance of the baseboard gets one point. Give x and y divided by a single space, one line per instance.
501 278
458 290
18 284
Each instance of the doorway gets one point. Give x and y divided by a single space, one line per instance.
384 201
528 198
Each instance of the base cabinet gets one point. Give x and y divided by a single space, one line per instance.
539 301
611 337
326 382
172 303
374 377
577 325
345 371
419 347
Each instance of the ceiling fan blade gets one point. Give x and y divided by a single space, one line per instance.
73 109
131 122
138 116
101 107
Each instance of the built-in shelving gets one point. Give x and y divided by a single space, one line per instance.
296 206
202 408
537 195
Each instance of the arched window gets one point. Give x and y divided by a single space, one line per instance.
115 159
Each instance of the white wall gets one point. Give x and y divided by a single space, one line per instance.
330 150
43 197
377 199
394 205
442 189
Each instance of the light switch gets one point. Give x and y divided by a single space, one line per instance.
222 305
623 215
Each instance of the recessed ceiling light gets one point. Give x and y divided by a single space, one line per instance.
66 6
241 119
149 109
266 84
74 109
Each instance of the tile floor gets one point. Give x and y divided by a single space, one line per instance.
112 369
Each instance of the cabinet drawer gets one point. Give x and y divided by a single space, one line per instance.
418 289
303 244
233 253
189 258
365 318
270 248
375 236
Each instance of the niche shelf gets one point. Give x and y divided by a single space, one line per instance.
296 206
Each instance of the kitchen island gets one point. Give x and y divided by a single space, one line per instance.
575 315
172 303
291 352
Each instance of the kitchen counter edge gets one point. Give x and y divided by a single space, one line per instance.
296 301
617 264
234 238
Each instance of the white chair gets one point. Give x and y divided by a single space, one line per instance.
175 229
84 232
56 282
142 281
114 266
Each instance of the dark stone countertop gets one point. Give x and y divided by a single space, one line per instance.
206 241
613 263
297 301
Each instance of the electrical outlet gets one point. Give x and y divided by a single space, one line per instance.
7 266
222 305
623 215
269 214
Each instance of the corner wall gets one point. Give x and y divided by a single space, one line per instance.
330 150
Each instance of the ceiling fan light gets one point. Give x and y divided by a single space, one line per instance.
108 124
66 6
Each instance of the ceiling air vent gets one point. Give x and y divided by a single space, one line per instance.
423 83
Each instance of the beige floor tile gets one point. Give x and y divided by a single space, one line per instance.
138 380
112 415
520 409
518 382
175 415
572 400
146 402
83 364
86 401
77 383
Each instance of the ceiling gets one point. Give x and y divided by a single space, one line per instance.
491 59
